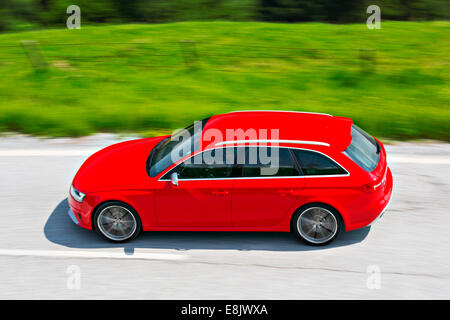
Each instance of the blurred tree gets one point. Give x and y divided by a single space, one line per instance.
99 11
290 10
414 9
18 14
306 10
26 14
341 11
183 10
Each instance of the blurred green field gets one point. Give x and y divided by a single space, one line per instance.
393 82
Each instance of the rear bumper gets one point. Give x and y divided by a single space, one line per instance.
382 212
372 206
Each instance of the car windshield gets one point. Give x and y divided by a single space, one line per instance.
363 149
170 150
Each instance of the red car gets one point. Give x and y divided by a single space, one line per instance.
312 174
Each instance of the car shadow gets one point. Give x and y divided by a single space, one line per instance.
60 229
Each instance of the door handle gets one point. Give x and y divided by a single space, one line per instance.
285 193
220 193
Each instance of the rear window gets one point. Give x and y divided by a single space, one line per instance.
364 149
316 164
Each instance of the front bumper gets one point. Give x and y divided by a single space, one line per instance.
80 213
73 217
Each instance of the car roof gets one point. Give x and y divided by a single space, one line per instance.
294 128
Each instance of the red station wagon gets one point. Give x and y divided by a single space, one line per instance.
312 174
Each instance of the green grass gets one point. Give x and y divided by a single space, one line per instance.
393 82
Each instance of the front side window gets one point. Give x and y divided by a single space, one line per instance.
314 164
179 145
210 164
364 149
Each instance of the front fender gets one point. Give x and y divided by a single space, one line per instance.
141 200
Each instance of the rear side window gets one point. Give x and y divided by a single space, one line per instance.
314 164
265 162
364 149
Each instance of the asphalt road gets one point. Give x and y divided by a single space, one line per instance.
43 255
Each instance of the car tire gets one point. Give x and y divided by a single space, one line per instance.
116 222
316 224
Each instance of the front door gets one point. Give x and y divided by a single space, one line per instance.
202 197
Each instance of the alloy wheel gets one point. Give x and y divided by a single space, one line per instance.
116 223
317 225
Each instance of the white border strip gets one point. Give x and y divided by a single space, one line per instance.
324 114
267 177
316 143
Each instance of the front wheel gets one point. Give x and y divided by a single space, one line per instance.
117 222
316 224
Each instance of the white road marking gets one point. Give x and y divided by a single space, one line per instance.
418 159
46 152
91 254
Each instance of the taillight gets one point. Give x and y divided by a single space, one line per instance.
367 188
372 186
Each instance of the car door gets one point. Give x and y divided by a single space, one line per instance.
263 198
202 197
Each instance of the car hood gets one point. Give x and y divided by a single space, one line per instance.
119 166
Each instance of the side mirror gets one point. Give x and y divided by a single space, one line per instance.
174 178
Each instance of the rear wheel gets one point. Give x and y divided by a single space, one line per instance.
117 221
316 224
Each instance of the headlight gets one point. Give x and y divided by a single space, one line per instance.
77 195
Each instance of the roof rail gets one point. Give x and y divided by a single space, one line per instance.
317 143
325 114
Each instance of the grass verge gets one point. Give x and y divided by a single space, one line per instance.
393 82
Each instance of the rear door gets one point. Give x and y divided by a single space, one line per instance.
268 187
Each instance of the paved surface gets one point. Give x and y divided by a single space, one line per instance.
42 252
